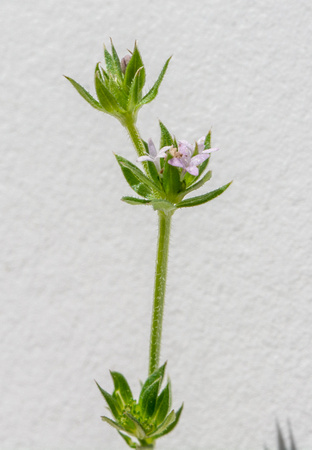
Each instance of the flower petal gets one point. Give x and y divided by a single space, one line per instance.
193 170
185 147
210 150
164 150
198 159
201 144
177 162
151 148
145 158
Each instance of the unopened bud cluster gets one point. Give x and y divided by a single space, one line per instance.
119 86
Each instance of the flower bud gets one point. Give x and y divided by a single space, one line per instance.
124 62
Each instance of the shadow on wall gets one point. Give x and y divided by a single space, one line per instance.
281 441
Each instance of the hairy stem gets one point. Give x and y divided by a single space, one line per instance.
135 136
159 288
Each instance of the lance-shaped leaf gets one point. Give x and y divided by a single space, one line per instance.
85 94
202 167
154 90
161 430
103 75
171 180
116 62
163 404
109 62
149 398
111 402
135 89
118 92
207 144
153 173
112 423
199 183
128 440
139 431
133 66
174 423
137 173
135 201
134 182
165 136
157 374
122 387
107 100
194 201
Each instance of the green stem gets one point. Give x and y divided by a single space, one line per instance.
161 261
159 289
135 136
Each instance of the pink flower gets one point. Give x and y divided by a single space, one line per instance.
182 157
153 155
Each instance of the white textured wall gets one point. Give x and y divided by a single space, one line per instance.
77 264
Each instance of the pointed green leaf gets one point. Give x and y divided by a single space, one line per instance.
107 100
173 424
116 62
154 174
135 201
207 145
189 179
171 180
202 167
109 62
161 430
135 63
163 404
118 92
128 440
111 402
199 183
102 74
165 136
208 141
139 187
194 201
85 94
121 385
135 89
137 173
149 398
158 373
139 430
162 205
154 90
112 423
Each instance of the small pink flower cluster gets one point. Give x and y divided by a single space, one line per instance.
182 156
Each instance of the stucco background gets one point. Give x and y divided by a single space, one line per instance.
77 264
